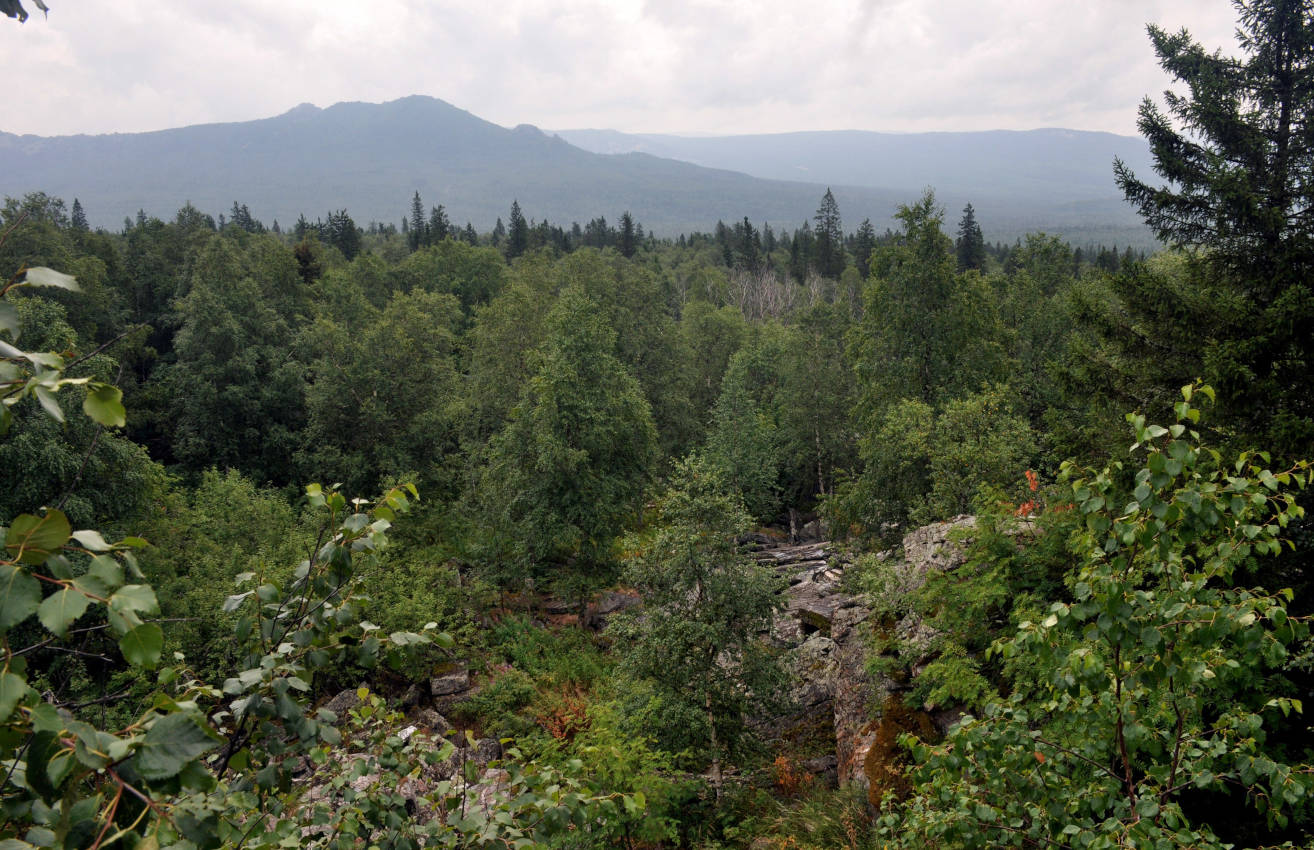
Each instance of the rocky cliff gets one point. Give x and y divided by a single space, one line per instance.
829 631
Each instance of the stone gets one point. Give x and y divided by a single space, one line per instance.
434 722
609 603
411 697
784 555
815 530
486 750
814 668
453 682
613 601
940 546
342 703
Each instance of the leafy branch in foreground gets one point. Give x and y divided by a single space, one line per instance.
202 766
25 374
1154 680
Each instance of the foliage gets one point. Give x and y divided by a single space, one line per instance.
1236 153
927 332
361 435
1155 680
566 475
743 443
203 538
40 375
236 397
924 465
704 605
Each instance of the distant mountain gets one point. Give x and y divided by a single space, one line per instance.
371 158
1060 180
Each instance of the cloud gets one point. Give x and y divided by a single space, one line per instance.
718 66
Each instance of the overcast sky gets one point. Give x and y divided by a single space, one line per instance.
683 66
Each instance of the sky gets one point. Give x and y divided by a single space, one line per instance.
676 66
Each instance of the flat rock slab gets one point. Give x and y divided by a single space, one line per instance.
455 682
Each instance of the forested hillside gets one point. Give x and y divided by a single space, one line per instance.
1054 180
363 156
555 536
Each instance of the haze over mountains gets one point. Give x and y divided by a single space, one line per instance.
370 158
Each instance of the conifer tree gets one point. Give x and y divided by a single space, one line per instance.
517 237
78 219
416 234
439 226
1237 154
627 241
970 244
828 256
801 252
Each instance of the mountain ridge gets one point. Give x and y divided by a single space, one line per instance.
370 158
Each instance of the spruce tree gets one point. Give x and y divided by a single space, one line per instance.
627 240
1237 154
439 226
416 234
517 236
78 221
828 255
801 252
970 244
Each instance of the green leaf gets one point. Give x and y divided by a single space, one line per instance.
170 744
46 360
104 404
42 276
12 688
49 403
139 598
107 570
59 610
90 539
20 594
33 539
142 646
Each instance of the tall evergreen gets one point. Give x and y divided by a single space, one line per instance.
416 234
748 246
439 226
828 255
970 244
78 219
627 241
517 236
1237 153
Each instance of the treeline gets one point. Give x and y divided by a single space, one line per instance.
247 348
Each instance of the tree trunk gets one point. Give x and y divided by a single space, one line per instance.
716 752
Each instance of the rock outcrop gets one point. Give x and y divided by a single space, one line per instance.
828 631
